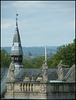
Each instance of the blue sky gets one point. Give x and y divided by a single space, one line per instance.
40 22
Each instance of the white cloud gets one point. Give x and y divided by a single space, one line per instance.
4 26
22 4
49 5
6 23
38 21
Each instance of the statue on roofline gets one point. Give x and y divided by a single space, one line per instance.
60 71
44 69
11 71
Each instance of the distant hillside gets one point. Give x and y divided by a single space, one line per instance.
35 51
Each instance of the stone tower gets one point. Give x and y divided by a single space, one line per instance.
16 50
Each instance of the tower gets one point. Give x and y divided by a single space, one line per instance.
16 50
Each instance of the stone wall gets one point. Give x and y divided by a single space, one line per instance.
40 90
61 90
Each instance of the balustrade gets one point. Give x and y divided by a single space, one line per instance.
26 87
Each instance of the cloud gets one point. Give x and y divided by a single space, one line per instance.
6 23
22 4
49 5
4 26
38 21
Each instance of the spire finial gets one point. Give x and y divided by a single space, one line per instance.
45 55
16 19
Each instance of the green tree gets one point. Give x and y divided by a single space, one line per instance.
5 58
66 53
36 63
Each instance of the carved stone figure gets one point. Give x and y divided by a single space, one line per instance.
44 70
60 70
11 71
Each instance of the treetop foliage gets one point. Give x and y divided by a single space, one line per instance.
5 58
66 53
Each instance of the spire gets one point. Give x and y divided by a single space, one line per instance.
16 35
45 56
16 41
16 50
16 20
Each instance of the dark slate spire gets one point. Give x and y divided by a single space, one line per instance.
16 50
16 36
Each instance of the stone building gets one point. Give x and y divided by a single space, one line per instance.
27 83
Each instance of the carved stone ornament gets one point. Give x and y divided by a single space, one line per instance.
10 87
43 88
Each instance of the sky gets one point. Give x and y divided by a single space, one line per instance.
40 23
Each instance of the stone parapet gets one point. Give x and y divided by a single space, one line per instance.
40 90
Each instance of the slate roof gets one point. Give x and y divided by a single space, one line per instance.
16 47
16 36
27 72
21 73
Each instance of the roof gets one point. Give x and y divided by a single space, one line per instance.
16 36
21 73
16 47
